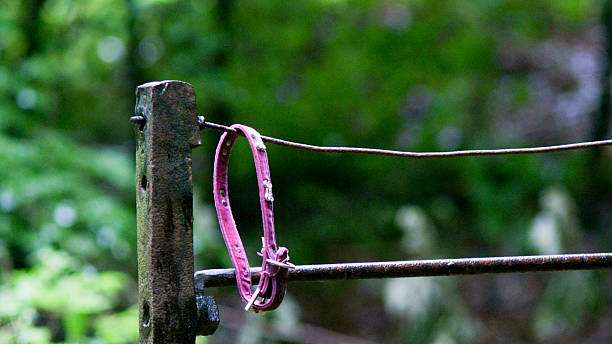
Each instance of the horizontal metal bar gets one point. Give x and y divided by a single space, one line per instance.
418 268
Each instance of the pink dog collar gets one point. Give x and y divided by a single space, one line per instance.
272 284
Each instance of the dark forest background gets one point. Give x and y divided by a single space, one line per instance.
416 75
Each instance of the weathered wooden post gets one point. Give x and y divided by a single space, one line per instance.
167 129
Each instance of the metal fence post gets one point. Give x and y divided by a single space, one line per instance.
166 130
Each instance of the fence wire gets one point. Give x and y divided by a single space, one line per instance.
417 155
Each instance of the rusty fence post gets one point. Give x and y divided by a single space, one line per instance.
166 126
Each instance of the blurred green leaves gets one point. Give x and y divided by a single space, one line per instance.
118 327
57 193
58 287
415 75
568 300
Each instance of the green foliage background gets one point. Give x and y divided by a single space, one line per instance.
415 75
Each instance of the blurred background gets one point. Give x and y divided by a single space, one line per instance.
417 75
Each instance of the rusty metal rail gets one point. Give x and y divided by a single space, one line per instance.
418 268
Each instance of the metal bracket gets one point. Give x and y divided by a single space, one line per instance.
208 311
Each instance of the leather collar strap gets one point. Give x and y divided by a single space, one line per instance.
272 284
